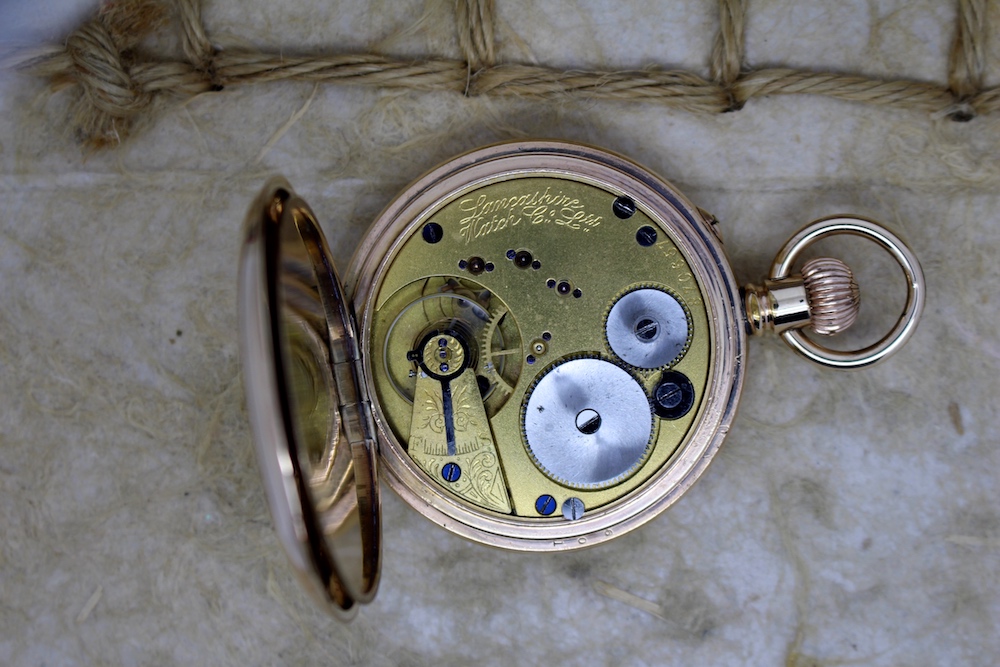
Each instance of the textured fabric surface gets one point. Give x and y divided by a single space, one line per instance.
849 518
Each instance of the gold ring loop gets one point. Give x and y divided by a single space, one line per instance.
915 289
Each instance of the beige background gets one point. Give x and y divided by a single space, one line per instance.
851 518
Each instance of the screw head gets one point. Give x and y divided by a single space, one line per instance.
646 236
545 505
668 395
646 329
588 421
673 396
451 472
573 509
433 232
623 207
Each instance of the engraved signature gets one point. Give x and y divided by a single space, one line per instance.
486 216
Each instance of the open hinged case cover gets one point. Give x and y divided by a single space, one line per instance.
314 435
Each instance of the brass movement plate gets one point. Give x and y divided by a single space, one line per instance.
524 270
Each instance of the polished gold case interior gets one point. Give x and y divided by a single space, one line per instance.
553 200
313 432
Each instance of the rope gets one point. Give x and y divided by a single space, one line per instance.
115 87
900 94
968 59
475 21
98 59
729 47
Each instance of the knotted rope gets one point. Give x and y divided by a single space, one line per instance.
115 86
98 61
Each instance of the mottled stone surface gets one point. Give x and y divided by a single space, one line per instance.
851 518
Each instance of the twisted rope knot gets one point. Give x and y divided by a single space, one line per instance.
103 73
100 63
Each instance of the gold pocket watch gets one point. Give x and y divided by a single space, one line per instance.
541 345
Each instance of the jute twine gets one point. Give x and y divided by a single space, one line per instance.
116 86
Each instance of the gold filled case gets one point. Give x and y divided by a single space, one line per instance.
540 345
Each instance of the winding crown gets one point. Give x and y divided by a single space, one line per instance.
833 294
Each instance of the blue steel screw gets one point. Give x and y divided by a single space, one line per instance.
646 236
623 207
545 505
451 472
432 232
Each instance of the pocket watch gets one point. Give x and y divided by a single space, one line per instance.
540 346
